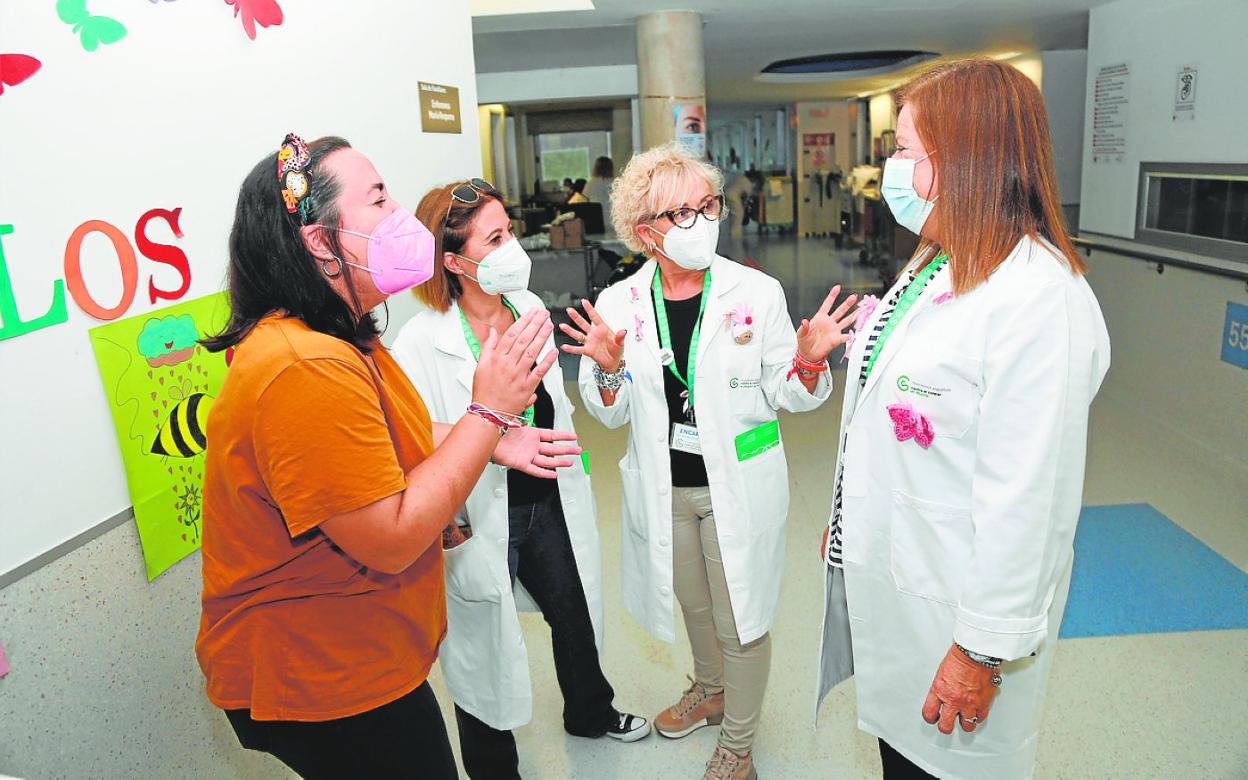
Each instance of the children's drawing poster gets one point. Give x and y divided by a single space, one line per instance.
160 385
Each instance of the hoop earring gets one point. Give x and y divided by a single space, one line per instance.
337 272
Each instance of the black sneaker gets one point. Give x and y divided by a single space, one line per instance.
629 728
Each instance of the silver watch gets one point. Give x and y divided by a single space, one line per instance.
983 660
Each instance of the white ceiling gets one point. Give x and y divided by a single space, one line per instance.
743 36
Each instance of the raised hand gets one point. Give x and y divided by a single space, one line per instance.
508 370
825 331
594 338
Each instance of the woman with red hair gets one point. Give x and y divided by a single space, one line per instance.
963 438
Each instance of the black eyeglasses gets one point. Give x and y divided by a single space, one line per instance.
686 217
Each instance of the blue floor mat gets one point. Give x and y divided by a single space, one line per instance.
1136 572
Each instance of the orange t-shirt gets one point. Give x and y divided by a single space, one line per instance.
307 427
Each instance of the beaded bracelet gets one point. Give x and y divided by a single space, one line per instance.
503 420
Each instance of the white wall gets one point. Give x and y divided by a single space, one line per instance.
1166 336
104 681
596 81
1156 38
1063 86
174 115
1166 329
882 114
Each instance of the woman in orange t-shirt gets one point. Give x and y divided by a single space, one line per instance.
327 488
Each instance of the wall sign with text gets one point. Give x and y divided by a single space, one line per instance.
1235 335
439 108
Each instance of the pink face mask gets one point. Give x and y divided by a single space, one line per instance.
400 253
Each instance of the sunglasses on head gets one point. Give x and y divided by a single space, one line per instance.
470 191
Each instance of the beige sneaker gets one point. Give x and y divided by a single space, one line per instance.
696 709
726 765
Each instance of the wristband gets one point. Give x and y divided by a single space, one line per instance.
611 382
806 368
504 421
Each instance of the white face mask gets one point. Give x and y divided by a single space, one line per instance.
897 186
693 248
503 270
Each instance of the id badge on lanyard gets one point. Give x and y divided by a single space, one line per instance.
684 435
685 438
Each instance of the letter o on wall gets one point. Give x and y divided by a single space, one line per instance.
125 257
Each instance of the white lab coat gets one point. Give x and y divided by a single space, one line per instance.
738 387
483 656
970 540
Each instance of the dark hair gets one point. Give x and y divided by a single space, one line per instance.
271 269
567 182
450 221
579 185
604 168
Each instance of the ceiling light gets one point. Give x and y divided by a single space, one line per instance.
844 65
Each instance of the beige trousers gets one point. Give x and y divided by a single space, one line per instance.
720 661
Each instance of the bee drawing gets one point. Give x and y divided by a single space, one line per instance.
182 435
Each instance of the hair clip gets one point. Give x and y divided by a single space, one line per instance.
292 159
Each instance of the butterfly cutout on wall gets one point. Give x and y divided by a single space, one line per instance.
16 68
266 13
92 30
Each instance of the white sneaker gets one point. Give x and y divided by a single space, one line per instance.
629 728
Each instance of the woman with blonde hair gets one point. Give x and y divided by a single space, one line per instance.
697 354
963 438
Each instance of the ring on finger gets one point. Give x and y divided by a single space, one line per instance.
974 719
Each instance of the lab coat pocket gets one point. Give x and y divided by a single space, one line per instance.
944 390
635 516
930 546
747 403
469 573
765 482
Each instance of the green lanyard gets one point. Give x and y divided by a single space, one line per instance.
475 346
665 331
913 290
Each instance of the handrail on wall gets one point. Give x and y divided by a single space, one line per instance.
1161 260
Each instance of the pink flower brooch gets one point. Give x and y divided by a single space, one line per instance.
740 319
862 313
909 424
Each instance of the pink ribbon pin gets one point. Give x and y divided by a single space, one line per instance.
864 309
861 314
909 424
943 298
638 324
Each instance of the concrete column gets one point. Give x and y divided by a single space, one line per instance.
671 73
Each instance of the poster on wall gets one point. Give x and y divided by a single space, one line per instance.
160 384
1111 99
818 149
1185 95
439 108
690 119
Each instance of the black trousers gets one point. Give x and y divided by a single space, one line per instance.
405 738
540 556
898 767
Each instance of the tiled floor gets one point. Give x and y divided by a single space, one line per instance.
1155 705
